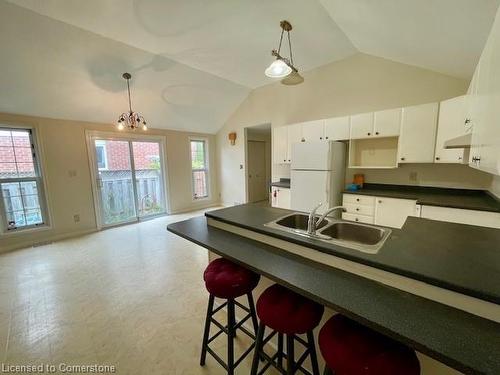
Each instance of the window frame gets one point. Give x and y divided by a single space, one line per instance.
206 169
104 155
39 178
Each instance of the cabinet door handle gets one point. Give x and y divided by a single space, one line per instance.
459 158
467 121
357 209
437 157
326 137
320 137
357 199
369 133
356 219
303 140
379 201
402 158
376 133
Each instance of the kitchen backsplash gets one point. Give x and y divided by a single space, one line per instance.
438 175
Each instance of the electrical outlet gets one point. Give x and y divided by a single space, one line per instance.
76 218
413 176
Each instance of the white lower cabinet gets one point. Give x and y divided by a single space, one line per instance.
388 212
393 212
280 197
458 215
358 218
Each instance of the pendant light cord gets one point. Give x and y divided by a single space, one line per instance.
129 101
281 40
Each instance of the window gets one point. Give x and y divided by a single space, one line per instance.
199 168
100 151
21 185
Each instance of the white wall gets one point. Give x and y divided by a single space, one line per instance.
357 84
495 186
64 149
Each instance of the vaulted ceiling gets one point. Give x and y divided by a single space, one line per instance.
194 61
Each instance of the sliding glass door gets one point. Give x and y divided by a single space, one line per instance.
129 183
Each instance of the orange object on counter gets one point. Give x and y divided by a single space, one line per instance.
359 179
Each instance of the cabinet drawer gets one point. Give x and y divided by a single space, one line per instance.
359 209
359 218
365 200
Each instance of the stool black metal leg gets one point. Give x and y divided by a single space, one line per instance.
290 351
257 349
251 306
230 336
206 333
312 353
279 358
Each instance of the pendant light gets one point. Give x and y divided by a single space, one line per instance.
283 67
131 120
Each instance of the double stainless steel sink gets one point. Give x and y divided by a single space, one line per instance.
361 237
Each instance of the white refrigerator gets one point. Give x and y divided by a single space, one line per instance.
317 175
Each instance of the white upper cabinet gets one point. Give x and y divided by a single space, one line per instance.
485 107
362 125
376 124
418 134
294 135
313 130
387 123
280 145
452 123
337 128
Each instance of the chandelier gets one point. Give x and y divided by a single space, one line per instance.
283 67
131 120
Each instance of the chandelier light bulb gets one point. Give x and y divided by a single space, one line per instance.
120 125
278 69
144 127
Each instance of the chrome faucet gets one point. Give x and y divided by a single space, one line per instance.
312 224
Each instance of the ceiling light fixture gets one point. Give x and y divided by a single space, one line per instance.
283 67
131 120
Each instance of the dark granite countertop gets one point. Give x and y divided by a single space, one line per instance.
463 341
282 183
480 200
459 257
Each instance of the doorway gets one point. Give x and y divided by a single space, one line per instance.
258 162
129 179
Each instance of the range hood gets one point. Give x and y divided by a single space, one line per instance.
459 142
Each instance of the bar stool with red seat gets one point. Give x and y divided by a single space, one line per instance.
227 280
287 314
350 348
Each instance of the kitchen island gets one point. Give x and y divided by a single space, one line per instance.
462 340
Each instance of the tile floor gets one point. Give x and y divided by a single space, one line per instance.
131 296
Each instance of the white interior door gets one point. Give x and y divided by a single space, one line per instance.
129 180
257 184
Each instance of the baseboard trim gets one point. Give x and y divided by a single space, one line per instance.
194 208
47 240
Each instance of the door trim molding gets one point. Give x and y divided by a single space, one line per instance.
113 136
